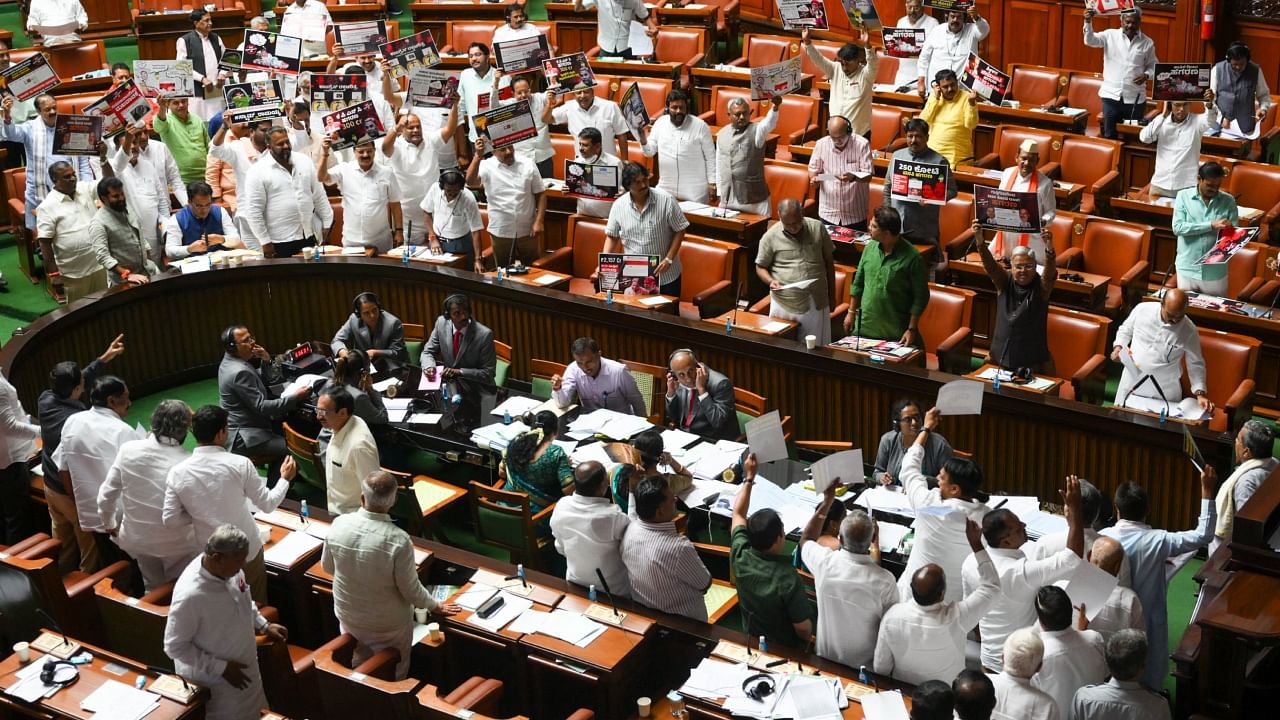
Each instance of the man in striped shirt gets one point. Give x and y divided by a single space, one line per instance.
647 221
666 573
841 168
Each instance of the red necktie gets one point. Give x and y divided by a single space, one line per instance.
457 342
693 396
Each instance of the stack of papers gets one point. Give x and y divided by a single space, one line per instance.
475 596
716 679
512 607
884 706
764 436
1036 382
885 500
810 697
676 439
497 436
794 510
609 423
307 380
571 627
382 385
517 405
1188 409
291 548
29 686
712 463
592 451
891 535
117 701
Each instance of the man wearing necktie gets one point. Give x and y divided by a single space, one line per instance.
699 399
462 347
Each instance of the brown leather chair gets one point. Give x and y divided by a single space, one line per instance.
1119 251
15 187
550 29
844 276
760 50
1035 86
886 69
580 258
1078 344
369 689
1230 362
946 328
887 123
827 49
72 104
717 115
69 599
459 35
653 91
1007 140
135 626
566 148
684 45
1084 91
1257 185
955 226
728 21
1094 163
706 276
797 121
607 87
1065 227
788 180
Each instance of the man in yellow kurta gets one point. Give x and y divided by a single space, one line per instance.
952 116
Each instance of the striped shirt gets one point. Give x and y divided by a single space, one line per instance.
666 573
648 230
839 202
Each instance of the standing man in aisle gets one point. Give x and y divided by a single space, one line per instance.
1128 63
797 249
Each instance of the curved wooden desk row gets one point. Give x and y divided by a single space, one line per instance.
1026 444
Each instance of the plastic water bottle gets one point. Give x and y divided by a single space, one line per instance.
404 256
318 253
520 572
1164 415
608 297
764 645
141 682
728 326
862 675
506 417
591 593
304 511
995 382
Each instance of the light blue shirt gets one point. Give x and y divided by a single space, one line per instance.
613 388
1191 219
1147 550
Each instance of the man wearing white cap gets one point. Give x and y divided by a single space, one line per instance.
1024 177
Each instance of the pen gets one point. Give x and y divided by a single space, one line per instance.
1000 504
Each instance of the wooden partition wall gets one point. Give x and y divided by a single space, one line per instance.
1026 444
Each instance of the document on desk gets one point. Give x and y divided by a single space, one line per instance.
423 418
764 437
529 622
593 451
716 678
891 535
675 439
282 518
961 397
845 466
116 701
812 698
475 596
1090 585
397 408
382 385
884 706
512 606
571 627
517 405
1187 409
885 500
29 686
291 547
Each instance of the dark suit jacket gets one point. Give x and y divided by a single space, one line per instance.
713 416
477 358
390 337
251 407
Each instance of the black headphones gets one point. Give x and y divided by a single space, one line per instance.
759 686
1238 46
452 176
59 672
454 299
677 351
362 298
229 338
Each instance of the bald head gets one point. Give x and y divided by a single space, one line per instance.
1174 306
789 208
589 478
929 584
1108 554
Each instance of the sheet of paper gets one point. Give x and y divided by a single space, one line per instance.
885 500
571 627
512 607
424 418
799 284
961 397
593 451
529 622
891 535
397 408
675 439
547 279
845 466
639 41
382 385
716 678
517 405
884 706
1126 359
1090 586
291 547
811 698
475 596
775 326
764 437
653 300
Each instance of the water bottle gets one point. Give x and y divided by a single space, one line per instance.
304 511
1164 415
995 382
764 645
591 593
520 573
608 297
404 256
862 675
728 326
141 682
506 417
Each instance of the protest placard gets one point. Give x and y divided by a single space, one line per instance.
985 80
360 38
914 181
1230 240
353 125
27 79
76 134
330 93
629 274
507 124
568 73
1181 81
1006 209
862 14
124 105
593 182
271 51
519 55
633 109
775 80
255 101
408 54
798 14
903 42
432 88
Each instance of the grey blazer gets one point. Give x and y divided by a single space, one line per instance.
390 337
476 359
251 407
713 416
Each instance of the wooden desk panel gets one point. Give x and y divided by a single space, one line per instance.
159 33
576 31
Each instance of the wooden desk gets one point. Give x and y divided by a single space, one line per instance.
1138 159
969 273
1138 208
576 31
703 16
65 703
287 585
1020 387
536 277
916 357
642 302
436 16
756 323
889 97
458 262
159 33
636 68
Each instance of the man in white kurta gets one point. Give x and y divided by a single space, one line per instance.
591 152
1016 697
211 631
413 153
915 19
352 455
145 188
947 47
1072 658
1122 609
134 493
375 576
370 200
1177 134
1026 178
1159 336
685 150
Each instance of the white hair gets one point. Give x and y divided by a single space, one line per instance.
379 491
1023 653
1022 250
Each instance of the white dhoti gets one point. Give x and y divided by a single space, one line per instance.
369 642
815 321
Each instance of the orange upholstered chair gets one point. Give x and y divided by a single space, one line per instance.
566 148
955 225
684 45
945 327
71 59
460 35
761 50
581 255
1036 85
550 29
886 69
1094 163
73 104
606 87
887 127
653 91
787 180
1009 137
717 115
706 277
1119 251
1257 185
1230 361
1066 226
844 275
1083 91
1078 344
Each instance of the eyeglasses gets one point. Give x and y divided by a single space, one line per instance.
913 419
321 412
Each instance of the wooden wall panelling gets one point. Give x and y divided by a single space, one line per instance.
1034 34
1074 53
1261 39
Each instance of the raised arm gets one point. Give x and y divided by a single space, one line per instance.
742 501
999 276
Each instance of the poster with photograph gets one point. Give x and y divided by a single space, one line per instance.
353 125
165 78
432 88
962 5
360 38
775 80
568 73
1230 240
593 182
914 181
985 80
633 109
903 42
629 274
408 54
27 79
77 134
310 28
862 14
507 125
515 56
1007 210
272 51
231 61
330 93
123 106
254 101
797 14
1109 7
1181 81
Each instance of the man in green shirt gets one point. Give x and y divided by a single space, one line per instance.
186 136
1198 214
891 287
773 601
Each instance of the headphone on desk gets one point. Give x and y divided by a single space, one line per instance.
759 686
362 298
59 672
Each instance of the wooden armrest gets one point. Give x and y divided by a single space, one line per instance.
25 544
1265 294
561 260
44 549
826 446
119 570
1272 214
1070 254
1105 183
708 117
738 62
957 246
544 514
1249 289
839 310
720 551
990 161
1239 406
478 694
714 300
954 352
585 714
695 61
161 595
382 665
1136 274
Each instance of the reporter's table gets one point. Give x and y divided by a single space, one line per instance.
1088 294
65 703
756 323
1158 213
1039 384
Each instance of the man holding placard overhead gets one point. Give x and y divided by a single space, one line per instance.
1128 62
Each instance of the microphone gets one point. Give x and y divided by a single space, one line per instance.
55 625
1168 273
857 343
604 584
734 321
1272 307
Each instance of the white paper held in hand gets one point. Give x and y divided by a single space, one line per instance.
1090 585
961 397
845 466
764 437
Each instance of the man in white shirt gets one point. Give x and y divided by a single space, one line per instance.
17 444
924 637
370 199
1128 62
1020 578
916 19
1016 697
204 48
686 153
475 87
91 440
375 576
851 75
131 501
1092 502
64 219
165 164
1122 697
587 110
1177 133
35 134
352 454
591 151
215 486
309 7
145 188
241 150
947 47
517 201
1072 658
56 22
536 149
613 26
517 26
1159 337
211 630
588 530
452 218
1025 177
282 199
1123 609
740 158
853 591
414 156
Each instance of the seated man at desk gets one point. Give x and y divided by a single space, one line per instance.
1021 338
461 345
375 331
1199 213
1026 178
200 227
596 382
891 286
664 568
1158 337
699 399
245 376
